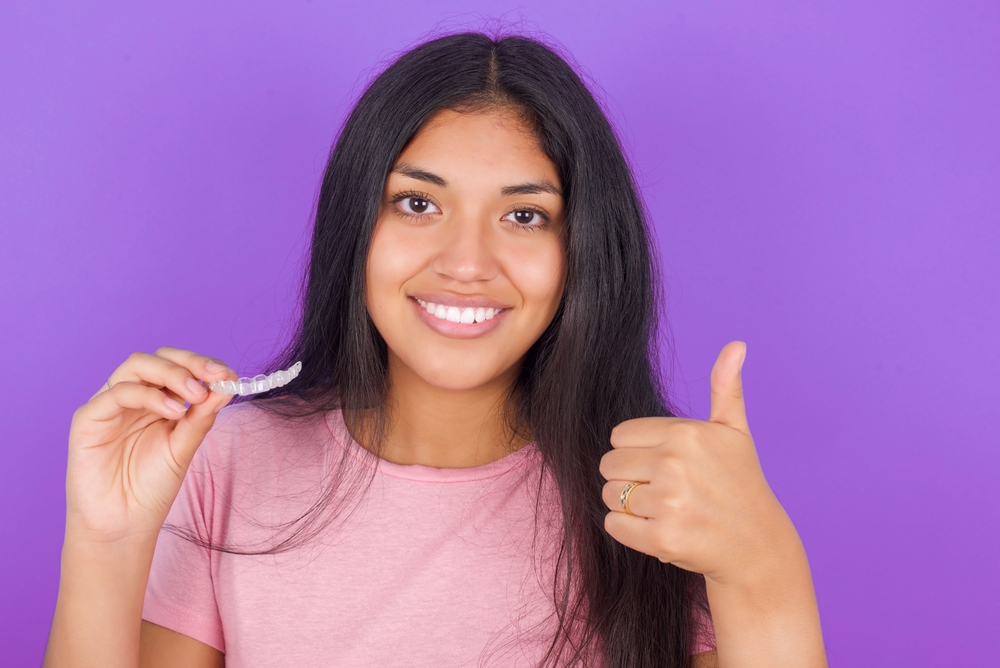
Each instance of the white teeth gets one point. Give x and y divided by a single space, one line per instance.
466 316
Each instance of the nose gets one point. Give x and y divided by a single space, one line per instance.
466 252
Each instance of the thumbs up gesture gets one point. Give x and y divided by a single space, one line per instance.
702 503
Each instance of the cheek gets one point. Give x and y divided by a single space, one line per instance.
391 261
539 274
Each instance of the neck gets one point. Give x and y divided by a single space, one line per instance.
445 428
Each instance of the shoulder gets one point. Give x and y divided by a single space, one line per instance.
256 467
251 445
254 431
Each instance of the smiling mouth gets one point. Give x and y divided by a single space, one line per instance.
464 316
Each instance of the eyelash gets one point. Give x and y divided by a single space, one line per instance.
547 221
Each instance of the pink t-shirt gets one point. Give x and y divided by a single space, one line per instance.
423 567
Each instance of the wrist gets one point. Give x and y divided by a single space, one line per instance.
767 615
772 582
98 612
128 557
87 535
771 555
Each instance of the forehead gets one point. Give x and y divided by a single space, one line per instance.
479 146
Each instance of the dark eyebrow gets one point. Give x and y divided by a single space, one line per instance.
414 172
406 169
532 188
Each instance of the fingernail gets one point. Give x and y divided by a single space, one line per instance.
215 367
744 357
173 405
195 386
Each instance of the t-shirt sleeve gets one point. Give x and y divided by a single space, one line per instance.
180 593
704 634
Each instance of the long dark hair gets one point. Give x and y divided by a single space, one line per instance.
594 367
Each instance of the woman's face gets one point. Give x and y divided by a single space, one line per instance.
467 264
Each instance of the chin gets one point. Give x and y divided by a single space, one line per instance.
457 380
444 367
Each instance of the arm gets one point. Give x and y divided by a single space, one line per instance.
129 449
705 660
160 647
98 614
702 503
771 618
98 611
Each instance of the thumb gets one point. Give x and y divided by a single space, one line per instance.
727 388
195 425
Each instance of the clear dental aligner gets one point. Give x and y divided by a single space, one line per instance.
259 383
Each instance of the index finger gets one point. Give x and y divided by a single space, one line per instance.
201 367
643 432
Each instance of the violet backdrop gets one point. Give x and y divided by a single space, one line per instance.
824 180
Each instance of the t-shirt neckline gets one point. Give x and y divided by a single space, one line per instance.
342 437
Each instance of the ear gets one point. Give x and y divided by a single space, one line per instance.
727 388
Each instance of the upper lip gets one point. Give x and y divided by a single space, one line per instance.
460 301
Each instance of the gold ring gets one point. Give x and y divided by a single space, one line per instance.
625 493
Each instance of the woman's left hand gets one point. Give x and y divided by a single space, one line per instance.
705 505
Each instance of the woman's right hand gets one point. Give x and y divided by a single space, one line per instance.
130 446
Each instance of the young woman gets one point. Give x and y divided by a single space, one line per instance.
452 478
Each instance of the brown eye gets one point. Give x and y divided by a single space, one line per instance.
415 205
418 205
528 218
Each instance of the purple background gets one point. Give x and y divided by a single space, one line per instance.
825 184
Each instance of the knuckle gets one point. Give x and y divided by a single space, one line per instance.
164 350
664 544
608 492
664 465
621 431
605 467
677 505
665 504
181 374
679 470
688 430
120 392
662 459
686 439
123 387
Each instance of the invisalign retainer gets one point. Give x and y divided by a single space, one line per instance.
259 383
